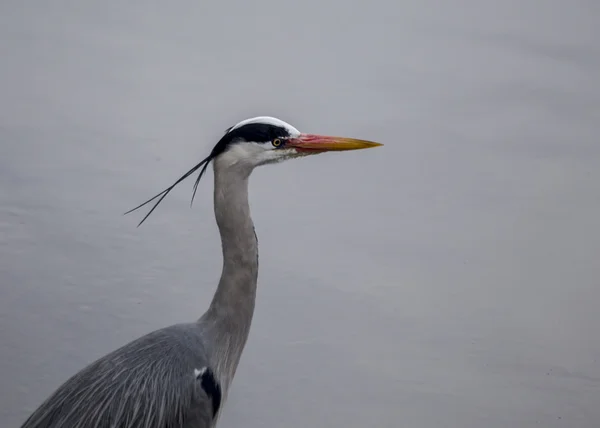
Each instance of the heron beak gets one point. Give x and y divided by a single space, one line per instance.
321 143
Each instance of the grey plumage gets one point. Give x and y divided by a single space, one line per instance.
179 376
151 381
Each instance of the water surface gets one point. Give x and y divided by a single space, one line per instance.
448 279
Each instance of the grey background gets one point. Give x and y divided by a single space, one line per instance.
447 279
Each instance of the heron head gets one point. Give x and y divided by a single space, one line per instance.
264 140
259 141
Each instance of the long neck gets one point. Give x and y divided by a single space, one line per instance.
237 287
230 313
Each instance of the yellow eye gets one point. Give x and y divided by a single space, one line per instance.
276 142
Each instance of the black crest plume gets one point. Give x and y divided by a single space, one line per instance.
249 132
217 150
203 164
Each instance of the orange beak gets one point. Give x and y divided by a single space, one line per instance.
322 143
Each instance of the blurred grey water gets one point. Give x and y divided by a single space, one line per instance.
448 279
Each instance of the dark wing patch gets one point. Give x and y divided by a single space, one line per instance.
209 384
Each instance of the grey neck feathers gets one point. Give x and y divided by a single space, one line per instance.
230 313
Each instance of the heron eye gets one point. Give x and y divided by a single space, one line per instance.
276 142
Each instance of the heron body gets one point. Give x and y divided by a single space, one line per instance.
179 376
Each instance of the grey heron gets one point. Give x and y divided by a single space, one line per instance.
179 376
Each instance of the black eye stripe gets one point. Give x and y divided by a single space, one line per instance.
254 132
259 132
